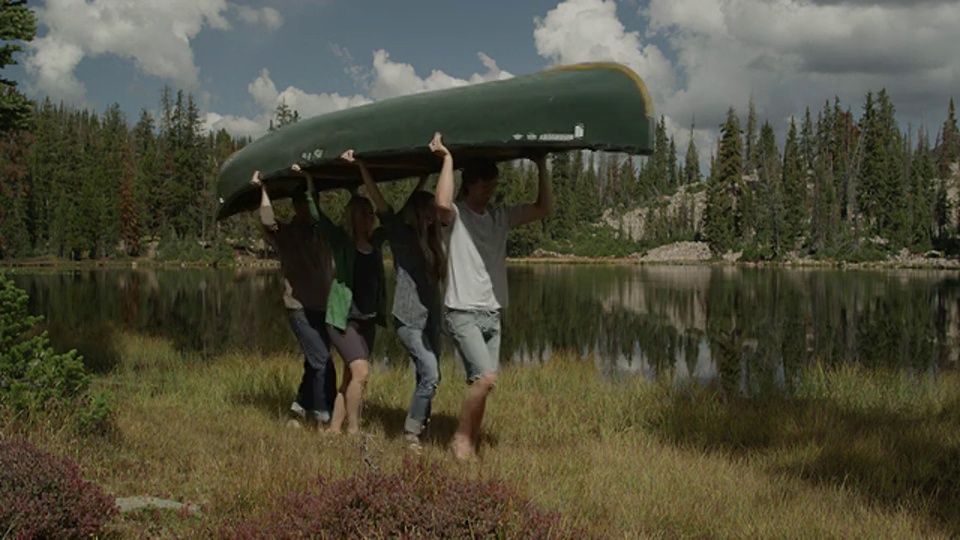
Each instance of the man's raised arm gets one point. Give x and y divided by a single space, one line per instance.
444 194
529 213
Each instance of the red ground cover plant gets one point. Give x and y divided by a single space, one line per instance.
45 496
420 501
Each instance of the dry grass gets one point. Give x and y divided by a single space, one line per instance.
855 456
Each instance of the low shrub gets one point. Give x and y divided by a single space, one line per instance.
420 501
34 378
44 496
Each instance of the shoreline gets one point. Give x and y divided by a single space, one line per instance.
917 263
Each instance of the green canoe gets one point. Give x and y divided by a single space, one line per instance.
594 106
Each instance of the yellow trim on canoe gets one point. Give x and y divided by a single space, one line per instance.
647 101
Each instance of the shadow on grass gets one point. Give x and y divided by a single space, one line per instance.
270 393
439 431
899 460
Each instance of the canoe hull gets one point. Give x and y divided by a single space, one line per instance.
600 106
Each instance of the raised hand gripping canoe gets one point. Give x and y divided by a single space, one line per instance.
593 106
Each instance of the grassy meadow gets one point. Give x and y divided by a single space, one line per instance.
856 455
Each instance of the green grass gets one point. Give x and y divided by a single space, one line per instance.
855 455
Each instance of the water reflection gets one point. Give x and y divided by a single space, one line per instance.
750 330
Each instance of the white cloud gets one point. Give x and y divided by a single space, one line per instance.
263 90
796 53
789 54
235 125
391 79
589 30
52 66
267 16
155 35
386 79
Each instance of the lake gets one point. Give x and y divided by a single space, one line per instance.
751 330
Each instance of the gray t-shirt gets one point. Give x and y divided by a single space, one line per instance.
476 258
416 298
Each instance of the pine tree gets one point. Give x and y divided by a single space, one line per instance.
129 222
807 143
825 202
825 219
283 115
881 178
770 192
17 24
691 167
794 191
672 175
14 236
750 140
148 176
922 196
562 220
722 220
949 148
114 144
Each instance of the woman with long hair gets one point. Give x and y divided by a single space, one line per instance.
420 268
356 302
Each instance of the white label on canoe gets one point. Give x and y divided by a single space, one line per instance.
555 137
309 156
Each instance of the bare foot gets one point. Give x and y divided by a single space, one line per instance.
462 449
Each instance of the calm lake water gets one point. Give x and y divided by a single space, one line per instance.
751 330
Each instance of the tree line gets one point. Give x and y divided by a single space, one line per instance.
839 185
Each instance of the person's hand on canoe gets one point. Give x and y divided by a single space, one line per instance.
348 156
256 180
298 169
437 147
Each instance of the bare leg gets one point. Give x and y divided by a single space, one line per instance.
340 403
353 392
471 416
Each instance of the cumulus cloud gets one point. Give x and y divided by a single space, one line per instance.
156 36
267 16
266 96
385 79
792 54
589 30
787 54
391 79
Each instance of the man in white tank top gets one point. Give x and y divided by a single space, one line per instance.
476 289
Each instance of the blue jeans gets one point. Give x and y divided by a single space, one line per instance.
476 335
424 348
318 387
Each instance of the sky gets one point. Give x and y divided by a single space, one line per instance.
240 58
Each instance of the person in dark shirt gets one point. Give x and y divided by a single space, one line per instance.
307 274
420 266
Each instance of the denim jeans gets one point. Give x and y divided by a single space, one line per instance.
424 348
476 335
318 387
